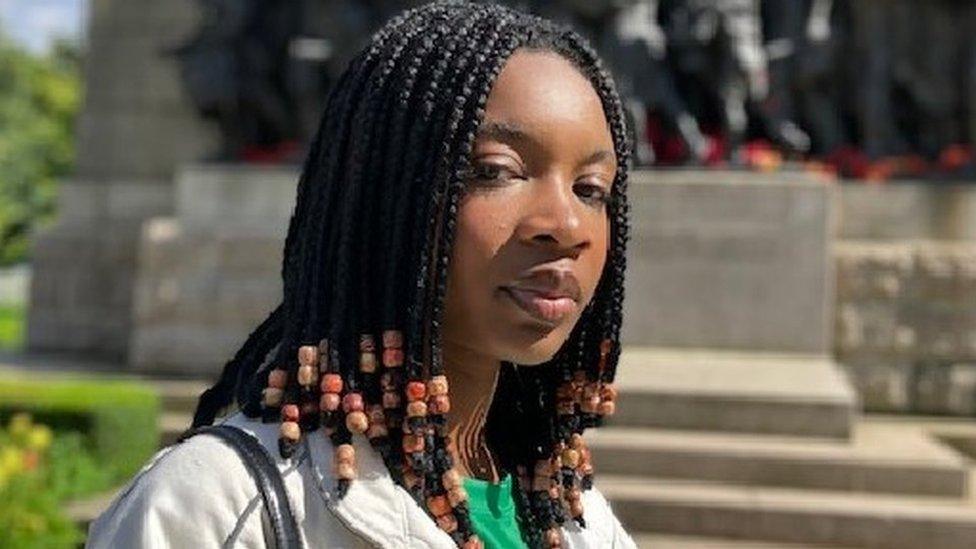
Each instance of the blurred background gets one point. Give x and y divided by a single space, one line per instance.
800 335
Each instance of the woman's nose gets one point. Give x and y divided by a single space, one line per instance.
552 217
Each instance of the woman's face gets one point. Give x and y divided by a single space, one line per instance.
533 226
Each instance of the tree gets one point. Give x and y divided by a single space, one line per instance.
39 100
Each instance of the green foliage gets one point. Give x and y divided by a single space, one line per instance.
39 100
11 327
118 418
30 499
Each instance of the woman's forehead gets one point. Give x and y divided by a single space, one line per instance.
543 97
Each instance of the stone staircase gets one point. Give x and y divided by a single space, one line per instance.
724 451
715 449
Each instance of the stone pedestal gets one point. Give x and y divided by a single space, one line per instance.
208 275
729 260
135 126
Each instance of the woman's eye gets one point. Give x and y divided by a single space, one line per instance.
488 172
592 193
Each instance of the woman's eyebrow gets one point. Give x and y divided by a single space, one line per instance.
502 131
597 156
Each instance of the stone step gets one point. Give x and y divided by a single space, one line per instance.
671 506
884 457
688 389
665 541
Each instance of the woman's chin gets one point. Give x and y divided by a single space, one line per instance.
536 352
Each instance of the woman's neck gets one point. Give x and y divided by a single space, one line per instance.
472 377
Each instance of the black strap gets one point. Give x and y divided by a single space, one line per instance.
266 475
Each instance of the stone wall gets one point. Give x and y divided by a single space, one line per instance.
136 126
906 323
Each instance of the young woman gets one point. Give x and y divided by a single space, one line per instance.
453 282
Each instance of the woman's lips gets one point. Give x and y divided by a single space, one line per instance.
550 309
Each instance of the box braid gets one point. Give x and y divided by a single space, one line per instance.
365 270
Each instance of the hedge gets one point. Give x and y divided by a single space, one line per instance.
117 418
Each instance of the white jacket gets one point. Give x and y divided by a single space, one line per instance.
199 494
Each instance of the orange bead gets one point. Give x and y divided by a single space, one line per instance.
331 383
553 539
278 378
392 358
308 355
605 346
608 392
576 508
329 402
377 430
474 542
438 505
573 494
289 412
607 408
457 496
357 422
590 405
570 458
416 390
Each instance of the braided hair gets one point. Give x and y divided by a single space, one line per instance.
365 271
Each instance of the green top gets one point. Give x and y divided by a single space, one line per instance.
493 513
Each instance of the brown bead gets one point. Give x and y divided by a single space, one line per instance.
417 408
553 539
413 443
474 542
438 505
392 358
605 346
345 452
271 396
345 471
451 479
554 492
437 386
357 422
278 378
590 405
591 390
306 375
410 478
608 392
352 402
391 399
565 391
456 496
576 508
367 344
573 494
447 522
290 430
440 404
607 408
392 339
570 458
377 430
308 355
367 363
289 412
331 383
543 468
565 408
576 441
329 402
416 390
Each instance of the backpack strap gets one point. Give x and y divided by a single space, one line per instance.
265 473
